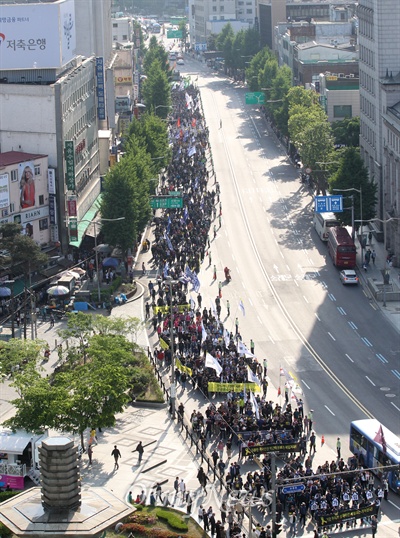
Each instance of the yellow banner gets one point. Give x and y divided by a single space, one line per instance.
234 387
165 309
163 344
183 368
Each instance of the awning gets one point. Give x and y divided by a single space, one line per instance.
14 443
84 223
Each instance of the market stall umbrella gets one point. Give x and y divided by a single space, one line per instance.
5 292
73 273
103 248
57 291
110 262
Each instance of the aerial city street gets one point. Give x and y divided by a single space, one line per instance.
190 252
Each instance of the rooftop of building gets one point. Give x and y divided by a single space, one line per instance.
15 157
390 78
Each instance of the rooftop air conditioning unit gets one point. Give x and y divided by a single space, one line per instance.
351 75
341 75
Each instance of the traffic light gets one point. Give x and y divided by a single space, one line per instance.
277 529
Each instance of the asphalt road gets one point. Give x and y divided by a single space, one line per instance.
331 338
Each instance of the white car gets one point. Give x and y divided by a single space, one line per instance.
348 276
180 62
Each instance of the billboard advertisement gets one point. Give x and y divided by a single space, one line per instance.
37 35
4 192
26 177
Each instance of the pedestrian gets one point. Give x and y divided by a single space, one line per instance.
176 488
236 326
143 269
182 489
338 447
223 512
51 319
220 124
189 503
90 454
228 307
370 238
292 521
385 487
373 256
147 307
158 491
117 454
206 524
199 300
139 449
215 273
265 387
374 526
252 346
209 257
220 289
312 443
215 457
212 523
310 419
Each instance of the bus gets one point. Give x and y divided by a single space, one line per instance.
341 247
377 447
322 223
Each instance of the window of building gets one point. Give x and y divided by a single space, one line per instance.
115 38
125 37
115 25
5 212
342 111
41 199
249 11
221 9
37 170
12 208
43 224
14 175
214 8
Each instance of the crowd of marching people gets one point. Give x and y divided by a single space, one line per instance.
207 353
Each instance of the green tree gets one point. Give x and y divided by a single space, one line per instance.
254 77
182 26
156 52
280 86
16 354
300 117
347 132
316 145
119 200
151 133
351 173
156 90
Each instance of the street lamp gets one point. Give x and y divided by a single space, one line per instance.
94 222
170 283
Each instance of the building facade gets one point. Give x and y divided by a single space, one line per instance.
379 42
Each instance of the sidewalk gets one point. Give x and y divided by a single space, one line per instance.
374 272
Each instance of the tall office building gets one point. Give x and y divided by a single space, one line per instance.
379 45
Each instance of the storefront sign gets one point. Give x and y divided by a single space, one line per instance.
70 164
101 100
32 214
72 206
4 192
73 229
52 209
51 180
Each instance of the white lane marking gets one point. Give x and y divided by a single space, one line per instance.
324 285
366 341
305 298
372 383
331 412
259 319
305 384
295 281
272 340
250 301
395 505
281 253
348 356
353 325
312 263
331 297
394 405
341 311
288 268
317 316
381 358
255 127
333 338
396 373
276 268
244 285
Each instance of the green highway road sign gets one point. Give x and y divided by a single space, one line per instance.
174 34
166 202
255 98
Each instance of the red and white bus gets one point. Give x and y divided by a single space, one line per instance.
341 247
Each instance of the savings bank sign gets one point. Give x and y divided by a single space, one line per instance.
37 35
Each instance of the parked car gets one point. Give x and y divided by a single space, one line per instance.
180 62
348 276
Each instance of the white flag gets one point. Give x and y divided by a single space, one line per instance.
254 405
227 338
243 350
241 307
251 376
203 333
212 362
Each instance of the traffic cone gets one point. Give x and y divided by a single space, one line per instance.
322 440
